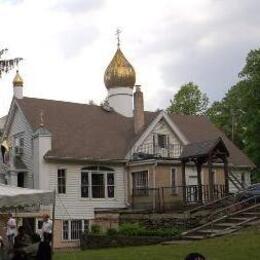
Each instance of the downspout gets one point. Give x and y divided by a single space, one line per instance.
154 188
126 184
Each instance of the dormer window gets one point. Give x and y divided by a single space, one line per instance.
18 145
19 141
162 141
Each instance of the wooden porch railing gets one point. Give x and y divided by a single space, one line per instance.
170 198
150 149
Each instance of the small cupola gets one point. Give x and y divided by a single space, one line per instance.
119 73
18 86
119 79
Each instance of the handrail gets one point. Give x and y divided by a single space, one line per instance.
171 150
194 210
208 204
236 204
236 179
234 183
225 216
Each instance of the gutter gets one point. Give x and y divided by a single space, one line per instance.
84 159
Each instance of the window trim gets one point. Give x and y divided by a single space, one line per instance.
83 225
65 176
98 170
165 141
137 171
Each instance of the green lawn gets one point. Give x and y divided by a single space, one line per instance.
243 246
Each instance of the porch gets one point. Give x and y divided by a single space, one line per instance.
175 198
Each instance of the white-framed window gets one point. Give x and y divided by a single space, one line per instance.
61 181
19 141
72 229
97 182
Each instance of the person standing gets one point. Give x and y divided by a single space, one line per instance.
11 231
47 228
44 249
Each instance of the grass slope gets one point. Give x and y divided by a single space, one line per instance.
242 246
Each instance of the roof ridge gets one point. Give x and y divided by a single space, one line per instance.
60 101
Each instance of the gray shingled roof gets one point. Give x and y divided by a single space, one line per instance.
199 128
82 131
87 131
202 149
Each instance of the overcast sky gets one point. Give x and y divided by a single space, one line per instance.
67 45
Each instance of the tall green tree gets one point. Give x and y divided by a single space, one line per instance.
189 100
238 113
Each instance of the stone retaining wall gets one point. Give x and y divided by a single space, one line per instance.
154 221
90 241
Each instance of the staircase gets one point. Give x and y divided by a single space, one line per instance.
227 220
237 184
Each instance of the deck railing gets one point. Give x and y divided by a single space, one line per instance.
170 198
156 151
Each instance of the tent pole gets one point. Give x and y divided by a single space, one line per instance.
53 220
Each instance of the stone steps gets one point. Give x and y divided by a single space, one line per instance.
225 225
237 218
194 237
255 213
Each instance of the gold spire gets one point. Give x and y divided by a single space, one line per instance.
119 73
17 81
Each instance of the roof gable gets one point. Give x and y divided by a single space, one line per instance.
202 149
199 129
80 130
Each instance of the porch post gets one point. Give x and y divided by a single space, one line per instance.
198 166
183 181
211 181
225 161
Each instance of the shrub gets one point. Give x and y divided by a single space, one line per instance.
131 229
95 229
112 232
137 230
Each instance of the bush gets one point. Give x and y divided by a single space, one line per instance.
137 230
112 232
131 229
95 229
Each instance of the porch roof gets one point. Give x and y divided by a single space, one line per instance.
204 149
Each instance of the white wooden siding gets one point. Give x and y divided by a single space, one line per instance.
71 205
18 126
238 174
162 128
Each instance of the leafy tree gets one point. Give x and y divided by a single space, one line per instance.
7 64
239 110
189 100
229 114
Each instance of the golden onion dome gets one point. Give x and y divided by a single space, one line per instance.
17 81
119 73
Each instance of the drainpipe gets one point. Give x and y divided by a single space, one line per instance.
154 193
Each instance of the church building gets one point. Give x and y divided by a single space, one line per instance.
103 160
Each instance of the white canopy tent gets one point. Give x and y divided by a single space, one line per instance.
15 197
